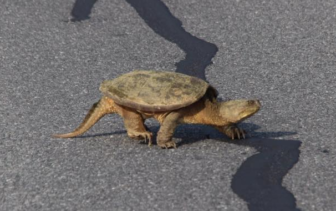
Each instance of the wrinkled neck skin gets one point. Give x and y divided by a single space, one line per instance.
204 112
213 114
228 113
220 113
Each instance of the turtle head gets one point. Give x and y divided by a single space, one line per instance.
235 111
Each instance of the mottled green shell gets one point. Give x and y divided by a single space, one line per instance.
155 90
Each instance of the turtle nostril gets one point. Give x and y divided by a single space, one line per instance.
257 102
254 102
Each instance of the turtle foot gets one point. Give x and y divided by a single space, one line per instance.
235 132
167 145
147 136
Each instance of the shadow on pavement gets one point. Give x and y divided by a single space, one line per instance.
258 181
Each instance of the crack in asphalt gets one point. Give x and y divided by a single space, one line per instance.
258 180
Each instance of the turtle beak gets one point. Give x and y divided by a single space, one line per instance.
251 108
237 110
256 102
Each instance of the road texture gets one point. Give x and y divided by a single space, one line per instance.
54 54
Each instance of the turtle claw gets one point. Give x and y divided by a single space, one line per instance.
240 133
234 132
243 133
147 136
149 140
167 145
237 131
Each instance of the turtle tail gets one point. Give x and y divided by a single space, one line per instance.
98 110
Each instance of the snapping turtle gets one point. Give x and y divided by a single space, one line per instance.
169 97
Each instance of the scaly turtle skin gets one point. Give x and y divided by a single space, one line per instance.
172 99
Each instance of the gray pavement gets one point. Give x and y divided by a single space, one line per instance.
281 52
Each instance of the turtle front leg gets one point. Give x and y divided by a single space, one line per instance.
232 131
134 124
166 132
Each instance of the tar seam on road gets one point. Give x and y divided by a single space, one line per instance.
258 181
82 10
158 17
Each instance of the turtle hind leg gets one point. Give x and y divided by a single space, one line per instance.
134 124
166 132
104 106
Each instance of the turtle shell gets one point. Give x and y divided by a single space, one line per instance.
154 91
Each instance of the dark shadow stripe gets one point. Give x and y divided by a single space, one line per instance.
259 179
82 10
198 52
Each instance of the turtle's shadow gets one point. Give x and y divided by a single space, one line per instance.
260 176
190 134
118 132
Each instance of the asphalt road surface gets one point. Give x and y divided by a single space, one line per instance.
54 54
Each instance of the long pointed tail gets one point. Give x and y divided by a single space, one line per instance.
98 110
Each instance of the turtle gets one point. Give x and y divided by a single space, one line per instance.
172 99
